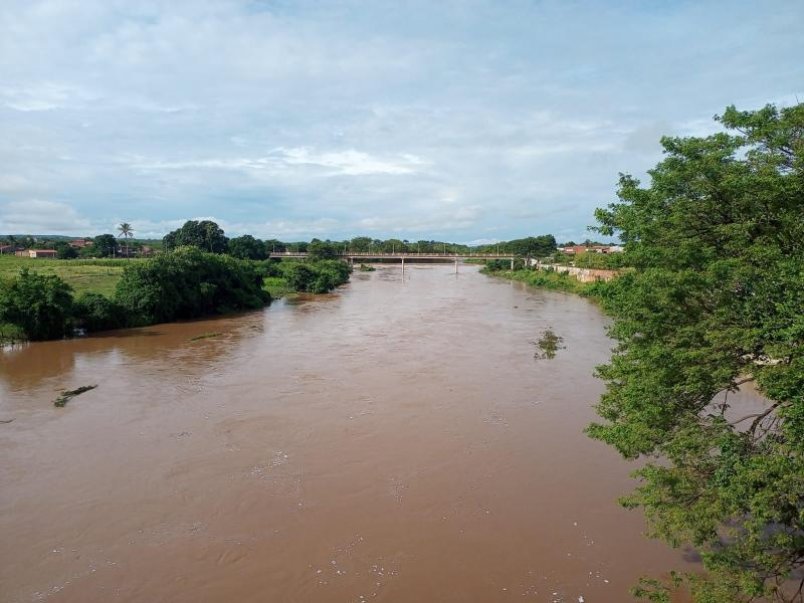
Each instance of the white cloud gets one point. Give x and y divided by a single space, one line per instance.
417 118
42 217
334 163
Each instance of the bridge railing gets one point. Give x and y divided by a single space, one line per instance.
380 254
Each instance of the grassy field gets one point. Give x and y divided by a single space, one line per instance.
96 276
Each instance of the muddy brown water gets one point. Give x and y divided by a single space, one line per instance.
395 441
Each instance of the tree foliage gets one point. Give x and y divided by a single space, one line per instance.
319 276
104 246
95 312
188 283
322 250
247 248
715 299
64 251
41 306
206 235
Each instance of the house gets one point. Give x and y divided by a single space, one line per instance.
36 253
7 249
576 249
81 243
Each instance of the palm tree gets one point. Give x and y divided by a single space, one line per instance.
126 232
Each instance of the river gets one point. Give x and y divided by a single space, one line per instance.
394 441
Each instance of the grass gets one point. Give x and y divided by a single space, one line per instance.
10 334
95 276
276 286
556 281
66 396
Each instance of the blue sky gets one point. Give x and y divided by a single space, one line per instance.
461 120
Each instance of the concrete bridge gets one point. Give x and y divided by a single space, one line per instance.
368 256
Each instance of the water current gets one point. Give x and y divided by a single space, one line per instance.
394 441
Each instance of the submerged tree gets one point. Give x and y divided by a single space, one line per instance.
715 300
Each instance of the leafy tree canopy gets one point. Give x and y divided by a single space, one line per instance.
104 246
206 235
247 248
322 250
64 251
715 299
188 283
40 305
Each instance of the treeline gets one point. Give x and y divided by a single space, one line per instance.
209 236
533 247
182 284
100 246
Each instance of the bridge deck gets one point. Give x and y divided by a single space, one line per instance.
400 256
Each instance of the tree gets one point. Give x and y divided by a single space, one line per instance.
247 248
322 250
104 246
206 235
39 305
126 232
360 244
714 299
65 251
95 312
188 283
274 246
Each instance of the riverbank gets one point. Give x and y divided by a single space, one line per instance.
53 299
84 276
545 279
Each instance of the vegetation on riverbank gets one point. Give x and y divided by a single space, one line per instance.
180 284
712 299
185 283
90 276
545 279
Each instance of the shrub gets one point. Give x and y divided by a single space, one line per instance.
95 312
188 283
41 306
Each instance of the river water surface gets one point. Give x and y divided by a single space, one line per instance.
394 441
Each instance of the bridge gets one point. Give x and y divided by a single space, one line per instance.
368 256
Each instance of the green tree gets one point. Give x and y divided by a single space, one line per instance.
188 283
715 299
322 250
360 244
206 235
126 232
274 246
104 246
96 312
247 248
39 305
65 251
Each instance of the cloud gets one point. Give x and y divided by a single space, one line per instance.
334 163
417 119
42 217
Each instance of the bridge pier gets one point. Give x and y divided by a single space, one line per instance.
403 269
512 263
456 265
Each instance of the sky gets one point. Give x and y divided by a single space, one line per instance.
469 121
